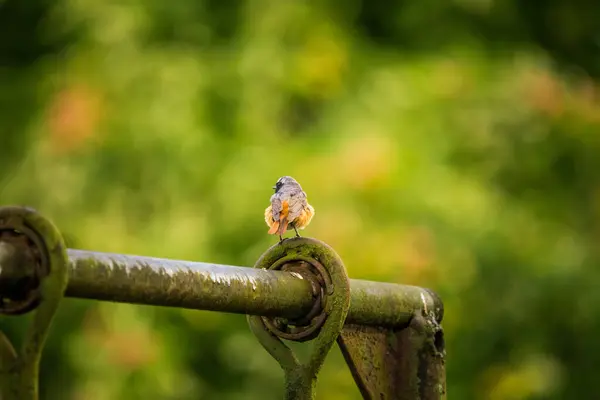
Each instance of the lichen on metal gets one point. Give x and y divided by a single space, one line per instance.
392 339
19 369
390 304
196 285
397 364
301 378
155 281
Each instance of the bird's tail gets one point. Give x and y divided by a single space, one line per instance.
274 228
282 226
283 217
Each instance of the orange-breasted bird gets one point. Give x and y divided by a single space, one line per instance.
289 208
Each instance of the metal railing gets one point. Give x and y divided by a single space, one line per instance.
389 334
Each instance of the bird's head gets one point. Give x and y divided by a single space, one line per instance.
285 182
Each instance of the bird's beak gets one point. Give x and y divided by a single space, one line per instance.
274 187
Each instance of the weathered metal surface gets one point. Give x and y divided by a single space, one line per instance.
397 363
203 286
45 285
195 285
22 293
389 304
334 298
298 290
307 327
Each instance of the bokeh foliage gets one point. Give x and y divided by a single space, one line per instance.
454 146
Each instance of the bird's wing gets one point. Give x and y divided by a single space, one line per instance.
276 207
297 203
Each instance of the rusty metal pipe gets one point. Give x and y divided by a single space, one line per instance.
204 286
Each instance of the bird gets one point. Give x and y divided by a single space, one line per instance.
289 208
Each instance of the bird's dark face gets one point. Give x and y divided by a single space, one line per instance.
278 186
284 181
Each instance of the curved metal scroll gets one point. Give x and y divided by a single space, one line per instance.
316 261
26 232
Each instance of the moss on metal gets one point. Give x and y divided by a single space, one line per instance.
392 341
389 304
397 364
196 285
300 379
154 281
19 370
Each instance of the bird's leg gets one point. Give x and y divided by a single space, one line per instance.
296 230
280 239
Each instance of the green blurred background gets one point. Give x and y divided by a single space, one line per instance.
451 145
